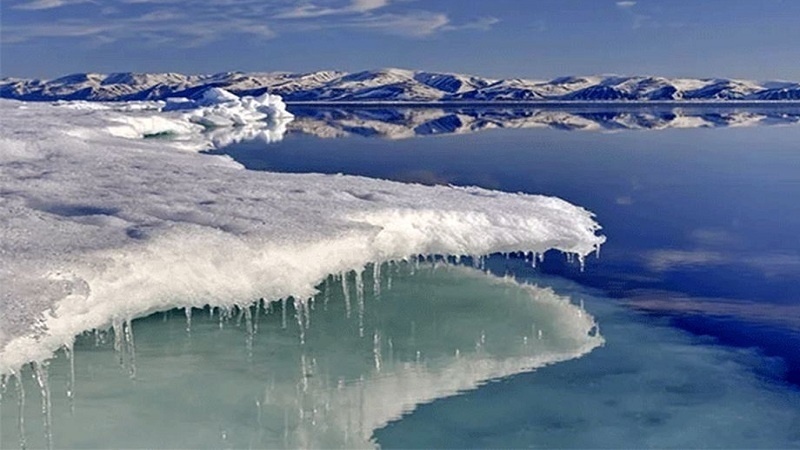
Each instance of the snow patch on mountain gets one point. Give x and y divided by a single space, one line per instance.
395 85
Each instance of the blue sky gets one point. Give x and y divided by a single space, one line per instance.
757 39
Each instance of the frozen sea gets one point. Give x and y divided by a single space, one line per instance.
682 333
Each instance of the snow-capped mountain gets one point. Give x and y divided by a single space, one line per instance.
396 85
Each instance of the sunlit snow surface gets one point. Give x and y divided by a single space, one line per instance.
100 225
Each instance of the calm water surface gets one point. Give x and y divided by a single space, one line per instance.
695 298
702 223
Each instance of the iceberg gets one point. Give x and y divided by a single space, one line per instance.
216 107
99 226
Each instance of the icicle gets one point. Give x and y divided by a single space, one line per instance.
248 341
188 311
40 374
283 313
389 279
210 312
376 280
221 316
360 301
582 262
305 372
68 351
376 350
116 325
130 348
309 308
597 251
3 381
240 316
300 309
256 318
346 291
326 293
23 442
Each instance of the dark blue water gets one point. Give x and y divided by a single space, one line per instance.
703 224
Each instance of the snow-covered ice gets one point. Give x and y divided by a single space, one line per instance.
99 225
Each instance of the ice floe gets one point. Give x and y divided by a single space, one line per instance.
98 225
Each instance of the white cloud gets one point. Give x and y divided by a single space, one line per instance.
47 4
413 24
626 4
368 5
483 24
195 23
309 10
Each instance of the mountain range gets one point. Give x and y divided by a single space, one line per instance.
397 85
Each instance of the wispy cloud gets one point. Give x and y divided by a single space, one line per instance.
310 10
413 24
195 23
47 4
626 4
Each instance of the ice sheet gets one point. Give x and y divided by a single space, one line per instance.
100 225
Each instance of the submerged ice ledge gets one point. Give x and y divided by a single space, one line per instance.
369 351
99 228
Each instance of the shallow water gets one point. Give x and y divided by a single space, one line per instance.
441 357
366 350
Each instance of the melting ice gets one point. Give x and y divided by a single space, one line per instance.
100 226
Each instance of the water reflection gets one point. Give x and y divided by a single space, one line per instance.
371 347
703 214
401 123
265 132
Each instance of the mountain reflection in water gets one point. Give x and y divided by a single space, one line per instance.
400 123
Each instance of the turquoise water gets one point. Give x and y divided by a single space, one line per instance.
442 357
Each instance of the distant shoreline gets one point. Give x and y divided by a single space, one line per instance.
560 104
